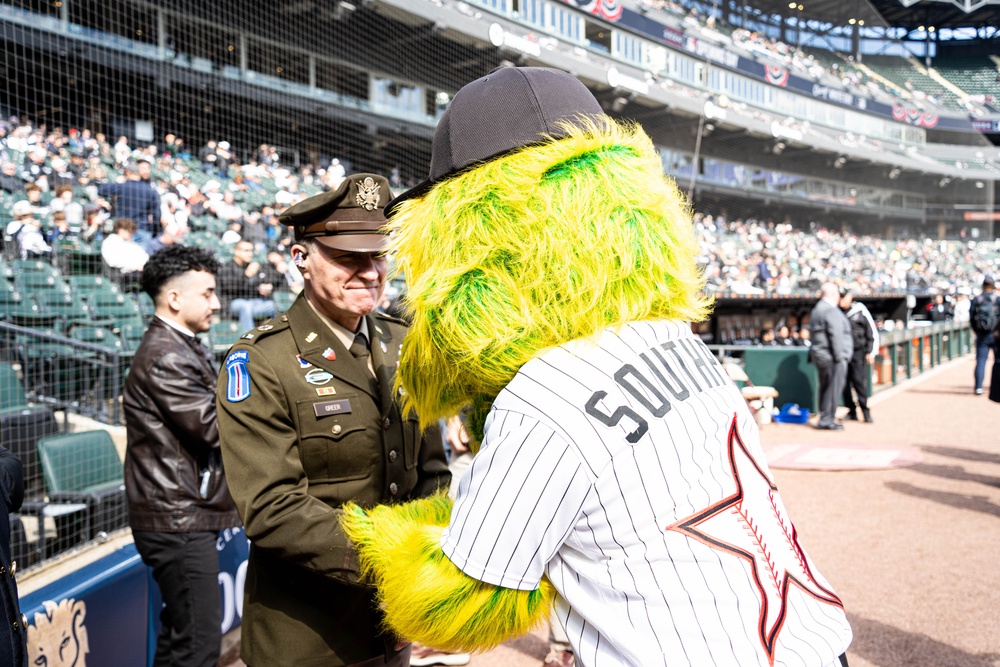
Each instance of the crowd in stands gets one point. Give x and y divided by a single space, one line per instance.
756 257
128 200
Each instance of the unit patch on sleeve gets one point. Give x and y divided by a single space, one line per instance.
237 376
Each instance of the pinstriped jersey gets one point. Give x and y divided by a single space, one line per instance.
630 473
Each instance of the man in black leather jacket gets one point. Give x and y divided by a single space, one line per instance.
177 493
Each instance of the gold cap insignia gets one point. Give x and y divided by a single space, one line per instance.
368 195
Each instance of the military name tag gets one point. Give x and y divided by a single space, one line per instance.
341 407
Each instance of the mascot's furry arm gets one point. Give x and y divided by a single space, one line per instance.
426 598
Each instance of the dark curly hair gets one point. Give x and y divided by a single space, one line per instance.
172 262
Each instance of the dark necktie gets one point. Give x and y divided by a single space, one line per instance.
359 348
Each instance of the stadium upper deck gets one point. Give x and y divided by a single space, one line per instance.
368 80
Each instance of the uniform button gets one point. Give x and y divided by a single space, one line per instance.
386 423
16 625
13 566
337 429
392 456
393 489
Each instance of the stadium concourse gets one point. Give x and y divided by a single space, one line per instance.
899 515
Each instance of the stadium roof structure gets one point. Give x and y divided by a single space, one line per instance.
907 14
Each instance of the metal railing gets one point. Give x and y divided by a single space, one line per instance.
903 354
67 374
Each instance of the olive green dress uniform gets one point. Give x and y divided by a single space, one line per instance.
303 430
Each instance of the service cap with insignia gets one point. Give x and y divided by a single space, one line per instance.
349 218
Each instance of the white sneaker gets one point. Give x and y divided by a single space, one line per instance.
979 391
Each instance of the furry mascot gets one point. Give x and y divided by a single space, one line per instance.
551 271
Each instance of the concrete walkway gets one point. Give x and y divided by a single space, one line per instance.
913 551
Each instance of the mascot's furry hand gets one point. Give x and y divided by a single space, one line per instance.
426 598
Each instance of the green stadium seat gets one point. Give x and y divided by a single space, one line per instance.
131 335
115 307
84 467
85 284
223 334
283 300
37 282
64 305
11 389
33 266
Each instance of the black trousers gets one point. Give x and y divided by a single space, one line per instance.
857 379
186 568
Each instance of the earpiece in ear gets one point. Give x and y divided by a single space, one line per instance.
300 259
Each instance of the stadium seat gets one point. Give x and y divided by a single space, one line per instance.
84 467
69 308
146 305
33 266
283 300
86 284
131 335
114 307
223 334
33 282
11 390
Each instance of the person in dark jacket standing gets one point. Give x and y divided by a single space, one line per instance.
12 641
832 348
865 338
309 420
137 200
177 493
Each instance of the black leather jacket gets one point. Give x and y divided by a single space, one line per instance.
173 466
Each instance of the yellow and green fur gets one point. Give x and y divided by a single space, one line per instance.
552 243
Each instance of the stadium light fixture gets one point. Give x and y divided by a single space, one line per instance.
852 21
894 174
839 162
943 183
778 148
861 22
791 5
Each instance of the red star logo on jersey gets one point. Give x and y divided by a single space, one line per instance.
751 524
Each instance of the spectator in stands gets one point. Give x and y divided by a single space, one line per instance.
61 175
122 151
288 273
784 337
60 229
939 310
177 493
10 182
245 288
64 202
13 648
767 338
171 235
122 254
34 170
208 157
226 208
26 230
136 200
961 311
92 227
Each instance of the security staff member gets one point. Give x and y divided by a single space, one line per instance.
864 333
308 421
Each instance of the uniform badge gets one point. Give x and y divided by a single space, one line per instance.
326 391
318 376
302 362
265 327
312 336
248 336
368 195
329 354
238 376
385 348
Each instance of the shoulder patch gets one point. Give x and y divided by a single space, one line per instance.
237 376
268 328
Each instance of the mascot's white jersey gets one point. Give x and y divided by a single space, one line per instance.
631 474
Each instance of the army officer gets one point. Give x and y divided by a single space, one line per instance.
308 421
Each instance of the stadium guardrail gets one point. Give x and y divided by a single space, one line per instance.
903 354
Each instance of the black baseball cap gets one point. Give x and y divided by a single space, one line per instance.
349 218
508 109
